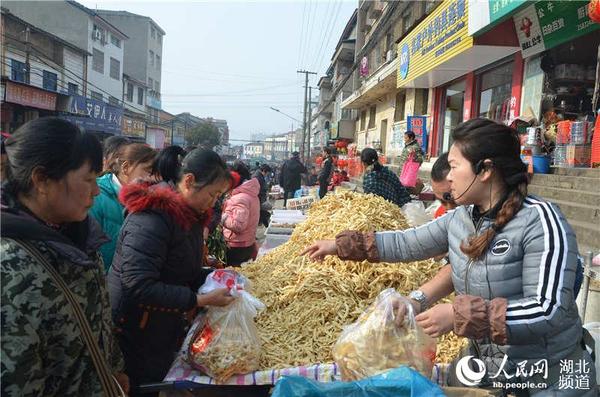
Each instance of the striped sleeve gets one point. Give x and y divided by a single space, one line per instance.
547 279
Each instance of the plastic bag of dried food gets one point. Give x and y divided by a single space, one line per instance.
227 343
385 336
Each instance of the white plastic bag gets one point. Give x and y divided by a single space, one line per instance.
227 343
415 213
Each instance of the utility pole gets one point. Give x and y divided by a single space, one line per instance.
310 103
304 127
27 51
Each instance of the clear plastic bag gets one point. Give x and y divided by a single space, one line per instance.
227 343
385 336
415 213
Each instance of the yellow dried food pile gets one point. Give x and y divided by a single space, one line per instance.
308 303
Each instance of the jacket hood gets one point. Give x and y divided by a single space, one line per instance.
145 196
107 185
251 187
78 242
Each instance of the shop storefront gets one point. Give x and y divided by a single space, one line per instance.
23 103
156 137
96 117
134 127
470 76
560 45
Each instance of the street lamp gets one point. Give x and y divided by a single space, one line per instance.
286 115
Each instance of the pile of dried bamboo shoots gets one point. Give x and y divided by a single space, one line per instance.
308 303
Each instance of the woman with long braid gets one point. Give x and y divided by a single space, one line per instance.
513 259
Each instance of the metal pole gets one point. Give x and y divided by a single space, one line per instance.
304 122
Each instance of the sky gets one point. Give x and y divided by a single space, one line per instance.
234 60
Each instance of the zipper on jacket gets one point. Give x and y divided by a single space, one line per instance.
469 265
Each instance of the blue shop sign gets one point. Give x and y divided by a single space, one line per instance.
95 115
404 60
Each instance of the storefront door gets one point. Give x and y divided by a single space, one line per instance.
453 100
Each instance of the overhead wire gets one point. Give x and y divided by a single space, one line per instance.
327 41
328 16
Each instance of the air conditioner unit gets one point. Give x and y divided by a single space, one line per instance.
389 56
96 35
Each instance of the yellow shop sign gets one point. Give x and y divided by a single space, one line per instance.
441 36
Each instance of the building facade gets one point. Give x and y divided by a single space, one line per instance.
39 72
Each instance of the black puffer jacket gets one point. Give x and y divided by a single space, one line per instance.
156 271
290 178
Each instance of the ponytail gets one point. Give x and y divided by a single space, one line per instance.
369 157
476 246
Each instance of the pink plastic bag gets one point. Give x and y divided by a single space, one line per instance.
410 171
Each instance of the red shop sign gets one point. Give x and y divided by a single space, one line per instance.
30 96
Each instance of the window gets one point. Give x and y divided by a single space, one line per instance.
152 32
49 82
73 89
160 38
150 83
158 62
113 101
115 41
140 96
363 120
157 86
421 99
98 61
115 69
495 88
400 103
406 22
151 57
18 71
129 92
372 113
96 95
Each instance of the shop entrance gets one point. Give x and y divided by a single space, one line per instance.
453 100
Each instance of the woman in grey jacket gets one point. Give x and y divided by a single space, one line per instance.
513 259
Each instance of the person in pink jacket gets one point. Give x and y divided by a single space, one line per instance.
241 212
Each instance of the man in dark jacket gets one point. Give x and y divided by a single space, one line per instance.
325 174
290 177
261 176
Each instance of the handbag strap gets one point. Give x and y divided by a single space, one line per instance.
110 386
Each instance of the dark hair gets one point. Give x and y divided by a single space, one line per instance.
112 149
134 154
440 168
206 166
410 134
327 150
54 145
168 162
370 157
265 168
482 139
242 169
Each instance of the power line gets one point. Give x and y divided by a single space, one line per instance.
329 18
327 41
301 42
306 33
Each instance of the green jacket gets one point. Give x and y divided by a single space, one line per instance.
412 147
108 211
42 349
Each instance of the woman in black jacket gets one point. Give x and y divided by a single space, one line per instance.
157 267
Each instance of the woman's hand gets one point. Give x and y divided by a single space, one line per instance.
319 250
218 297
123 381
438 320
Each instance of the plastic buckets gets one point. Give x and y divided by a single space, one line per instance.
541 164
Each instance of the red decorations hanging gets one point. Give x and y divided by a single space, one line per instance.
594 10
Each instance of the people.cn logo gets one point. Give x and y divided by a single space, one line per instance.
466 375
